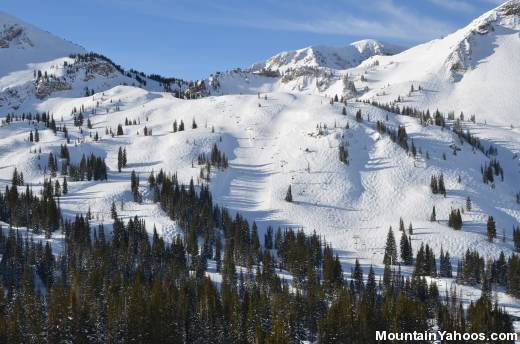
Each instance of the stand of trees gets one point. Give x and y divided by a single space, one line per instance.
437 185
28 210
216 158
89 168
398 136
136 287
139 288
491 171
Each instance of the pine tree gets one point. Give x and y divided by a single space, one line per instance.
359 116
516 238
468 204
123 158
52 165
491 229
434 185
268 238
65 186
455 219
442 189
288 195
433 216
113 211
134 186
57 188
406 250
343 154
390 256
357 275
255 242
119 159
445 264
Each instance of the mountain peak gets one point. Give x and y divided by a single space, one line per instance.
22 44
373 47
326 56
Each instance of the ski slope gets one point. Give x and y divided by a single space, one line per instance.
273 142
280 131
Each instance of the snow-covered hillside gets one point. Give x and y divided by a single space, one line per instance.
274 141
278 127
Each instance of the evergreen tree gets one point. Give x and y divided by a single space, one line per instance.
406 250
433 216
442 188
491 229
113 211
445 264
288 195
390 256
401 224
123 158
357 275
455 219
516 238
343 154
434 185
268 238
359 116
134 186
119 159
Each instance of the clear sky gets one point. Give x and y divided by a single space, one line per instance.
194 38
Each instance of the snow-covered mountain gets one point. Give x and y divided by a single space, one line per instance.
473 70
36 65
317 70
469 70
326 56
22 45
291 134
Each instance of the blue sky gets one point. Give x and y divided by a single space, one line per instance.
193 38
